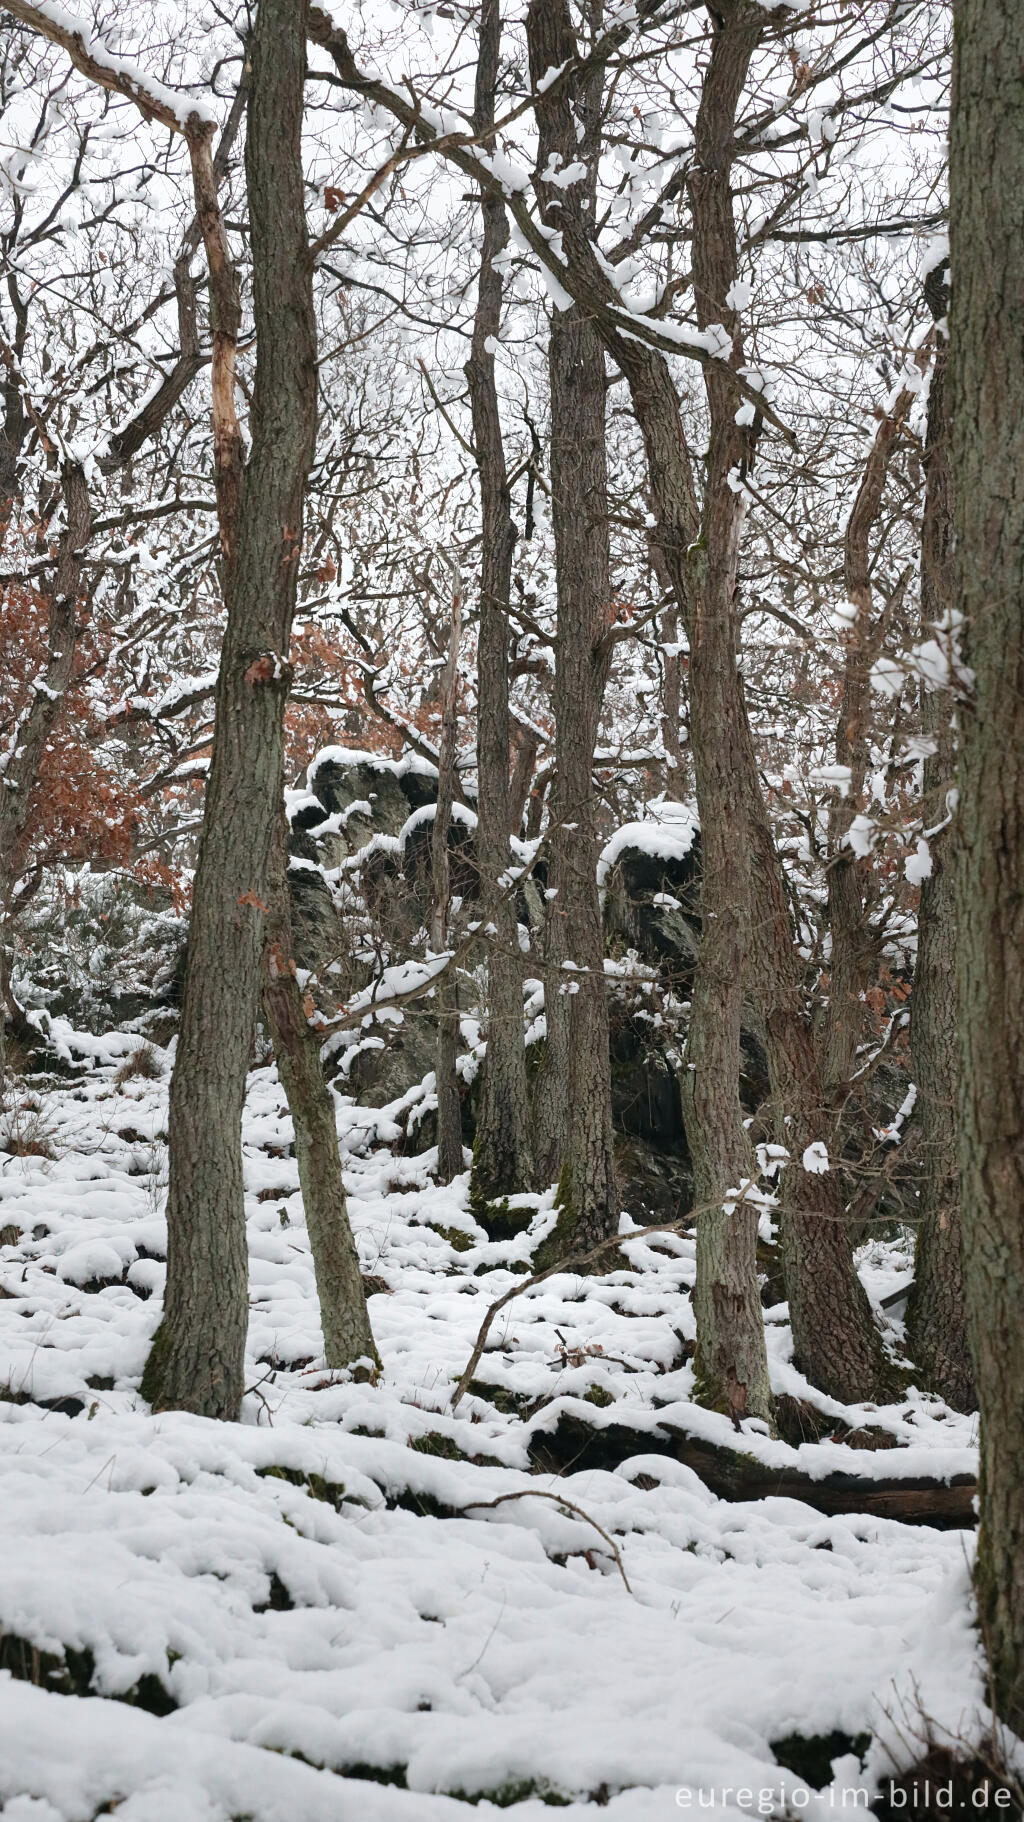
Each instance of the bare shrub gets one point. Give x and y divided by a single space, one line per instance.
141 1063
27 1128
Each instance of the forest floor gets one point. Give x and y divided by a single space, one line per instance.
321 1614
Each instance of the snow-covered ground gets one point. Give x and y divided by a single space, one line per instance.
322 1613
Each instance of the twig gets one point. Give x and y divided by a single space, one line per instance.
558 1499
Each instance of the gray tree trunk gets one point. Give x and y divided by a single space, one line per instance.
348 1337
502 1162
936 1317
197 1359
852 956
573 1097
446 993
987 381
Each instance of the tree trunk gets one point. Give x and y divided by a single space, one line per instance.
197 1359
835 1340
733 1377
501 1154
574 1089
677 785
348 1337
987 382
446 993
852 954
936 1318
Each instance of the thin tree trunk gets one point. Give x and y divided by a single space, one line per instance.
835 1340
522 778
676 770
987 383
197 1358
502 1152
573 1096
723 1301
851 948
936 1318
344 1318
446 993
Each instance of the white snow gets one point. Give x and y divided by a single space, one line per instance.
400 1628
815 1159
918 866
668 836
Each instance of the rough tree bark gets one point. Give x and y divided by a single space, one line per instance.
986 363
197 1358
573 1098
852 950
936 1317
677 785
446 993
502 1152
344 1318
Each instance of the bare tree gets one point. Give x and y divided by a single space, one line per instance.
197 1359
501 1152
446 993
573 1095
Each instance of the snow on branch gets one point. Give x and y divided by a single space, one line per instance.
180 113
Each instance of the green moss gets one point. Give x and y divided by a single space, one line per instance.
711 1393
151 1384
456 1237
510 1404
377 1774
331 1492
434 1443
516 1790
498 1220
559 1241
599 1395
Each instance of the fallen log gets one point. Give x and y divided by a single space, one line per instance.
573 1444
